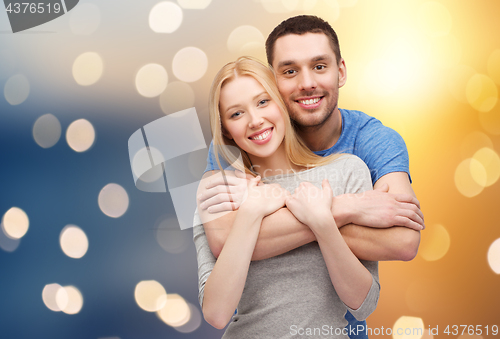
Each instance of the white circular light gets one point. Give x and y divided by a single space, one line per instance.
88 68
494 256
113 200
190 64
80 135
150 295
242 36
74 299
165 17
49 294
151 80
73 241
15 223
175 312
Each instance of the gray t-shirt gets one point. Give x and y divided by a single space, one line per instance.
292 294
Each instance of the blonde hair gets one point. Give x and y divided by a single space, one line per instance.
296 150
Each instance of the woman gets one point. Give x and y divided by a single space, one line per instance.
305 291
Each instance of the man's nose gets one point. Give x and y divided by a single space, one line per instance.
307 81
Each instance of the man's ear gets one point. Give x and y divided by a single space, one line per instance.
342 73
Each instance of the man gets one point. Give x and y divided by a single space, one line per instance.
380 225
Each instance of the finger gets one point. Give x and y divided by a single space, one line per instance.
414 208
217 199
403 221
222 189
407 198
224 207
408 213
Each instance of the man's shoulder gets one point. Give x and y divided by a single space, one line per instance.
359 121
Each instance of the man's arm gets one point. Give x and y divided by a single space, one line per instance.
394 243
281 231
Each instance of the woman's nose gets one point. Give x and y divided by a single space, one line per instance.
256 120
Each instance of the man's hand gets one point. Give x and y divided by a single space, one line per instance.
378 209
219 194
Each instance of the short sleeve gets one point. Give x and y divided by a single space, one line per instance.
382 149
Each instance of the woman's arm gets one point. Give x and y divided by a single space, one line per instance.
351 280
224 286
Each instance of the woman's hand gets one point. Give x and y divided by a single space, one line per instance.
264 199
310 204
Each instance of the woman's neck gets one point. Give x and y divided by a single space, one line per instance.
275 164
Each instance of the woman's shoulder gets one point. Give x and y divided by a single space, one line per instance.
347 161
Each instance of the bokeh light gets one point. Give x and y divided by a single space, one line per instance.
435 243
490 121
493 66
7 243
165 17
190 64
150 295
491 163
244 35
279 6
458 78
47 131
113 200
494 256
15 223
141 163
73 298
194 320
16 89
410 327
171 238
194 4
467 175
434 19
74 242
177 96
481 93
151 80
88 68
84 19
175 312
80 135
473 142
49 294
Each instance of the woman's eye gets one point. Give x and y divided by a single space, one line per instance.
263 102
235 114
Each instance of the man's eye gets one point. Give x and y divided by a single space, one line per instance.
289 72
320 67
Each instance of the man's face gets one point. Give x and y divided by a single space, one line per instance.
308 77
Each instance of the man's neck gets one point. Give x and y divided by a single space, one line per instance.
324 136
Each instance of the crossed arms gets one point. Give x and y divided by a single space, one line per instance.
378 225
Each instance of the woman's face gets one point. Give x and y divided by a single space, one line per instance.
250 117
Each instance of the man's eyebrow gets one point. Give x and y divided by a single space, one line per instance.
323 57
285 63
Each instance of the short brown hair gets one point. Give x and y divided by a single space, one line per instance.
299 25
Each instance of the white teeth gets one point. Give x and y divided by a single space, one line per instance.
261 136
309 101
